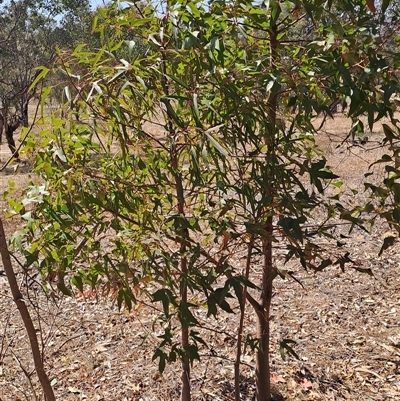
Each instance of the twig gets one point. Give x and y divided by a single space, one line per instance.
27 375
67 341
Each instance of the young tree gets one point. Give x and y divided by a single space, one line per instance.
186 153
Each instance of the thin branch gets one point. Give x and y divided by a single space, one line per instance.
26 373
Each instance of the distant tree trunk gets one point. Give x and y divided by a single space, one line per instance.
24 113
1 126
4 114
11 128
24 108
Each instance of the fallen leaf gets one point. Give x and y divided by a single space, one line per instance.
277 379
102 347
306 384
73 390
365 370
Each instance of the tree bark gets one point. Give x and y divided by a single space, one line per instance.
26 318
263 374
186 390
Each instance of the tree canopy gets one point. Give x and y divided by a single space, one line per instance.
189 158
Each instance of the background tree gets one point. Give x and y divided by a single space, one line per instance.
30 33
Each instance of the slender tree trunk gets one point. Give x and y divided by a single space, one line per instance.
184 233
26 318
263 377
263 372
186 390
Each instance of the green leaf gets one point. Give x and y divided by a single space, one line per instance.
162 359
138 22
390 135
396 214
292 227
284 348
171 113
192 352
77 282
63 288
164 295
337 184
194 335
384 159
185 316
324 264
385 5
141 82
178 81
216 144
42 73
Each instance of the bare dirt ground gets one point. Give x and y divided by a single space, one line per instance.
346 325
